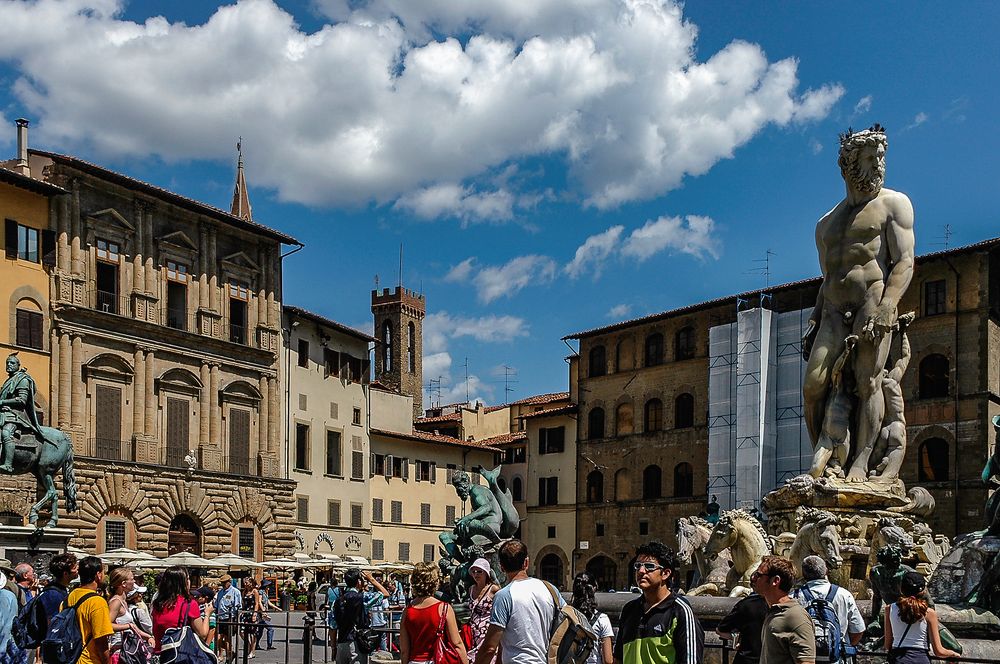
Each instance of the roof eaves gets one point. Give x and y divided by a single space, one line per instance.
323 320
42 187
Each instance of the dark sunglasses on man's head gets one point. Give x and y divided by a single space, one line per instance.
646 567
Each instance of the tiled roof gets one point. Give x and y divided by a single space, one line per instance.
984 244
450 417
322 320
424 437
167 195
8 176
542 398
505 438
549 412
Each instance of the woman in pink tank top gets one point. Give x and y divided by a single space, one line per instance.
418 634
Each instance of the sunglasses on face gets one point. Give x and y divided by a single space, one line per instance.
757 575
646 567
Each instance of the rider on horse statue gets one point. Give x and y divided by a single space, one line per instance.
17 411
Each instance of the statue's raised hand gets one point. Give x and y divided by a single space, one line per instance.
879 323
808 338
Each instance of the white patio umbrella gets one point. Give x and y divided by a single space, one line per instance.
282 563
233 561
126 556
77 551
184 559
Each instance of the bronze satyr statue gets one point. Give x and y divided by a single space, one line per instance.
29 447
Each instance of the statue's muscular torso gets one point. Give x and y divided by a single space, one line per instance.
856 249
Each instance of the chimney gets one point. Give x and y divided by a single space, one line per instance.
22 148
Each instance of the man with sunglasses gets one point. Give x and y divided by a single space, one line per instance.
788 636
659 627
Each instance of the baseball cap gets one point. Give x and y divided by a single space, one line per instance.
205 592
482 564
912 584
138 590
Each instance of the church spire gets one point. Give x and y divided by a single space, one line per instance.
241 197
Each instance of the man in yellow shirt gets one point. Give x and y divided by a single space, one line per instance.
92 614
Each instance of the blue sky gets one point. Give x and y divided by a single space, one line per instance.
547 167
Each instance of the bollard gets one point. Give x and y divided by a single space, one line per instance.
308 625
245 638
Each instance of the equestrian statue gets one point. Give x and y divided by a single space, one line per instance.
29 447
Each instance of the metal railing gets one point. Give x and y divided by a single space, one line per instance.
112 449
110 303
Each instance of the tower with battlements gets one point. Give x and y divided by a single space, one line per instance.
399 316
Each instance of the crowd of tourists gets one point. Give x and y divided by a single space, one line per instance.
77 613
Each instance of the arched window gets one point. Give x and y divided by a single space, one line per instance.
595 487
654 350
411 348
684 411
550 569
652 482
683 480
933 465
387 347
595 424
603 571
652 419
598 362
684 344
623 420
623 485
29 329
934 371
517 489
183 535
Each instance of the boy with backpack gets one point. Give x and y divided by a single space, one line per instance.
84 623
32 623
837 621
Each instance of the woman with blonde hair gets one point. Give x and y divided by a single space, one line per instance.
911 625
120 583
428 620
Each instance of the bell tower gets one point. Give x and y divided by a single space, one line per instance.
399 316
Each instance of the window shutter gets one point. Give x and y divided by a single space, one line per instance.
406 468
371 465
416 474
541 490
541 441
35 323
387 471
10 238
48 247
433 472
23 332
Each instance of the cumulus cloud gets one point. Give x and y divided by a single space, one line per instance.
461 272
692 235
864 105
496 281
815 146
619 311
400 102
592 254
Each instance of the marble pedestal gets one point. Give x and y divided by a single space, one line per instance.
26 544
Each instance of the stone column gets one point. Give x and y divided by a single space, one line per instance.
65 368
204 408
213 406
138 278
53 417
274 418
64 231
78 386
264 427
139 394
76 260
151 406
213 267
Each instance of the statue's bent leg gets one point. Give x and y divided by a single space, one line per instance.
869 359
9 436
50 498
827 347
895 439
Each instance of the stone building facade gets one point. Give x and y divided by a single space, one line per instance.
642 391
165 339
399 316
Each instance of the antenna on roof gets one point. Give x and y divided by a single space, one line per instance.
434 390
763 269
508 372
947 236
376 282
400 264
466 380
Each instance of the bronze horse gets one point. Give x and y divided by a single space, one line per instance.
43 459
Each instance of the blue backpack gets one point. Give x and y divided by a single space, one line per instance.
829 639
180 645
63 643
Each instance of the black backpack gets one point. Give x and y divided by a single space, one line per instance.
31 624
63 642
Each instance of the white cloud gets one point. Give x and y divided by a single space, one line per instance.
691 235
385 104
461 272
864 105
619 311
493 282
591 255
436 364
815 146
918 120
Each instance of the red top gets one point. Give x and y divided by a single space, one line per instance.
172 617
421 626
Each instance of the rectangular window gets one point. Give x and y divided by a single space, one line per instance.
428 553
551 532
29 329
396 511
449 515
644 527
934 297
114 534
378 464
551 441
378 549
404 551
106 283
377 509
303 353
302 509
303 402
451 472
400 467
548 490
108 444
357 515
425 514
239 441
333 455
301 446
178 431
331 363
333 513
237 321
247 543
177 305
21 242
520 454
356 417
357 458
422 470
334 410
108 251
177 272
599 529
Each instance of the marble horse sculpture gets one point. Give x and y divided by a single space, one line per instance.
693 534
744 536
817 535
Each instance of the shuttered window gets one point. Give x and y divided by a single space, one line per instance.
425 514
178 431
302 509
378 549
396 511
357 515
357 458
428 553
239 441
449 515
333 513
29 329
108 429
376 509
404 551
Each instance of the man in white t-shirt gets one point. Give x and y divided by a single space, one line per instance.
521 621
816 586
